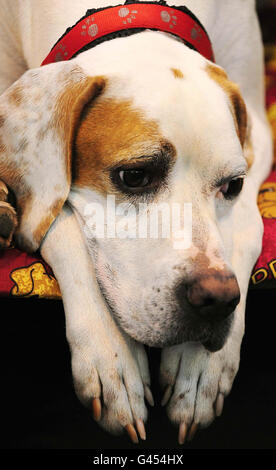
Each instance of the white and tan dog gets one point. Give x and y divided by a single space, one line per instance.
149 120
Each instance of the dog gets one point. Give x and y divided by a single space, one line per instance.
144 118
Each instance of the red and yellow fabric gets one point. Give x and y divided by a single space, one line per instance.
24 275
264 273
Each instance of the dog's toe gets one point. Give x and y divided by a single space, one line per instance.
195 384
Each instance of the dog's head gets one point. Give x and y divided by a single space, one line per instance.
153 135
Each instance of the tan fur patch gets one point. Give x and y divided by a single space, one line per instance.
69 106
111 132
2 120
47 220
236 100
249 152
16 95
177 73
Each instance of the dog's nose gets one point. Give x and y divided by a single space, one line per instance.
212 296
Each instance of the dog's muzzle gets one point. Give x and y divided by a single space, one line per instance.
209 302
211 297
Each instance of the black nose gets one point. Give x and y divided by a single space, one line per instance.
212 296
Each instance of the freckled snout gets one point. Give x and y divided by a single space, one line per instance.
213 296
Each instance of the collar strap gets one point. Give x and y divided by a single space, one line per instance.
102 24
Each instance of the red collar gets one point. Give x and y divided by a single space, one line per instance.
98 25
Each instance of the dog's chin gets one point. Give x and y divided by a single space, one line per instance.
156 339
213 338
214 344
218 336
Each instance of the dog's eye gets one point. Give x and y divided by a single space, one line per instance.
143 176
139 180
135 178
231 189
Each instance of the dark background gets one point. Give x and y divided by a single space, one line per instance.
38 407
39 410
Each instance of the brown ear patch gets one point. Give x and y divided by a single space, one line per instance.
69 106
237 103
110 132
22 159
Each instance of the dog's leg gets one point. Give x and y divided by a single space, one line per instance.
110 370
196 381
8 219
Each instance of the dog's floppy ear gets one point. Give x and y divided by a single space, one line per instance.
38 117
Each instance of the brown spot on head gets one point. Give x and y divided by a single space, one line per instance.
16 94
177 73
111 132
232 90
2 120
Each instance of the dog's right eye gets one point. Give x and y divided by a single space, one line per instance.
135 178
142 177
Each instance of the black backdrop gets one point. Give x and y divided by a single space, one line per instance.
39 410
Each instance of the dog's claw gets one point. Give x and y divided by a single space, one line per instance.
166 395
182 433
97 409
141 429
132 433
148 395
192 431
219 404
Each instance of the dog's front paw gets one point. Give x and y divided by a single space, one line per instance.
113 381
195 383
8 218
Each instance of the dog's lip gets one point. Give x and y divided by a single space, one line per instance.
211 347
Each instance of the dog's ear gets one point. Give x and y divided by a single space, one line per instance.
38 117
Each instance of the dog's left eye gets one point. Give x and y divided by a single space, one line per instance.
232 189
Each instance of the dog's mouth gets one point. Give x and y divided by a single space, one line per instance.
159 331
171 333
